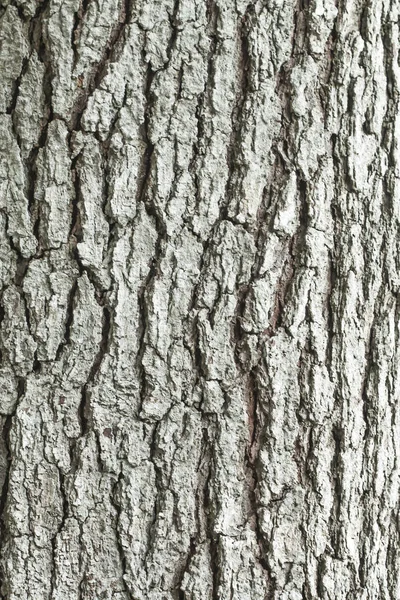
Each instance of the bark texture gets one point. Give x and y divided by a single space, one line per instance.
200 318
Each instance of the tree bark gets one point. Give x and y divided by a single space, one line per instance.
199 221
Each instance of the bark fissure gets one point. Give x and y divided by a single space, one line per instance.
6 437
117 506
84 406
99 71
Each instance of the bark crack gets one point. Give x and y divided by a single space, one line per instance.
115 502
6 435
100 69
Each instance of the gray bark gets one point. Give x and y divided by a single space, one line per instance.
199 262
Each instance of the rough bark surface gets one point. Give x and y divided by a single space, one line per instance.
200 317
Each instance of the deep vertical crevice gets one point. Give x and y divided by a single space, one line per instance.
84 410
335 526
116 503
79 17
6 437
99 70
212 536
145 196
240 115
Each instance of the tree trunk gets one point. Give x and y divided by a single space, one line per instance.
200 299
